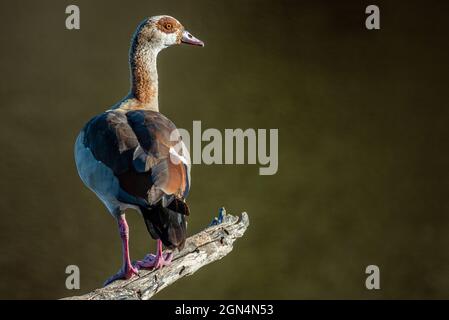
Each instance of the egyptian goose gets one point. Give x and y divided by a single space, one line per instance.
132 156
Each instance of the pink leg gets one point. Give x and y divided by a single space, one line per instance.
127 270
157 261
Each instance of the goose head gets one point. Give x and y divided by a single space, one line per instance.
160 32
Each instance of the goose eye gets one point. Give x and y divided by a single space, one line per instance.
168 26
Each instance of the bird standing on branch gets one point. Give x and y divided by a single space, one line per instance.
132 156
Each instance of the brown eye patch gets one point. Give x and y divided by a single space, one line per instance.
168 25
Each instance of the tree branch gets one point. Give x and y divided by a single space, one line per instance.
205 247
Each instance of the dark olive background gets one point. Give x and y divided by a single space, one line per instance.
363 144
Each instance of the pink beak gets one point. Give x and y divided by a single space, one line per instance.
189 39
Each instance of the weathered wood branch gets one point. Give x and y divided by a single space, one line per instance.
205 247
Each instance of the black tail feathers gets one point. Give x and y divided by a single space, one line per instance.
167 223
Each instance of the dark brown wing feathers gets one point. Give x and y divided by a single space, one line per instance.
135 145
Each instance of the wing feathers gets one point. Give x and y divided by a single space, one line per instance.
136 146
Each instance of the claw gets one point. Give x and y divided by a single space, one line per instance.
123 274
155 261
152 261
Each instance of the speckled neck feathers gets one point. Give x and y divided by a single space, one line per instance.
144 78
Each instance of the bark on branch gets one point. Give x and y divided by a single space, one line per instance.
205 247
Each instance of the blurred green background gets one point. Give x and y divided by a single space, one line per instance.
363 144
